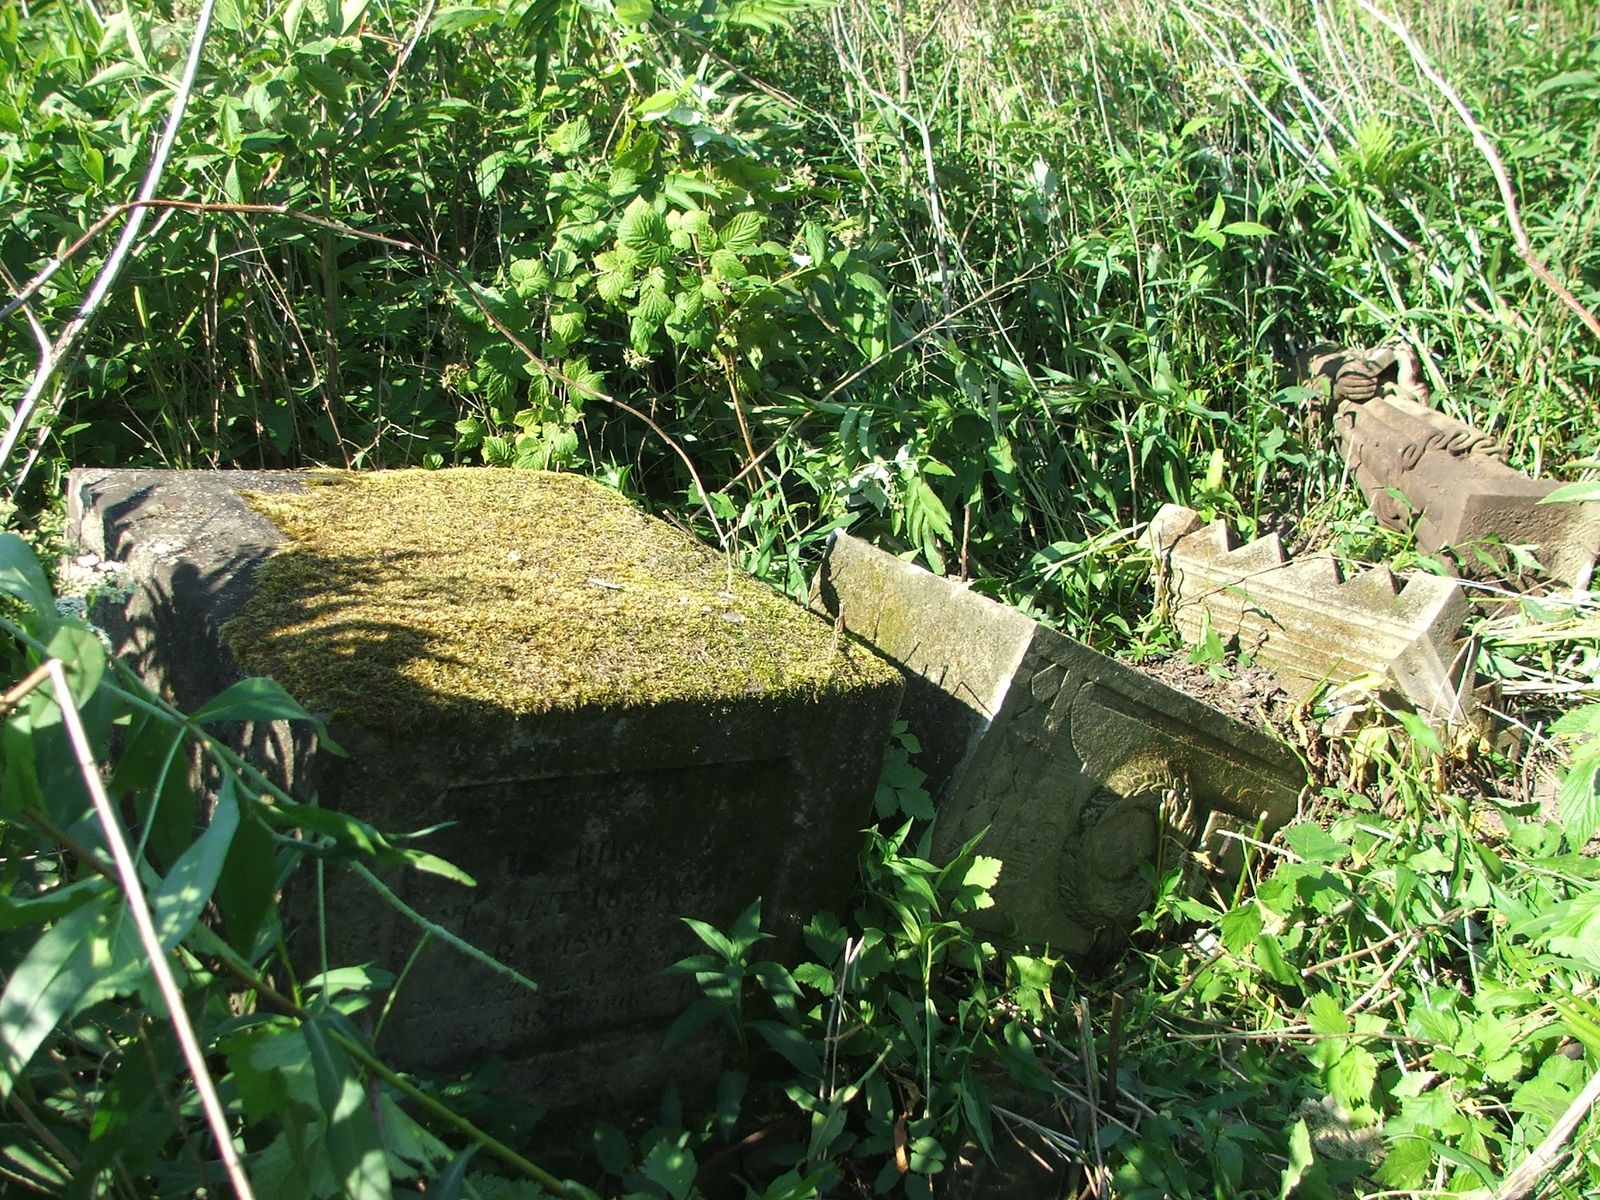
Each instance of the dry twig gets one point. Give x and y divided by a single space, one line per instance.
1486 147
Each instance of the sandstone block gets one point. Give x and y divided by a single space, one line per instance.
1303 620
1082 770
609 729
1422 470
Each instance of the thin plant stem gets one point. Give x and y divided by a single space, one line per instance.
128 877
440 932
50 362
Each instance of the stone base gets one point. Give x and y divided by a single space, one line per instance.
593 826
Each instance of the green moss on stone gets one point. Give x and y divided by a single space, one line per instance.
407 597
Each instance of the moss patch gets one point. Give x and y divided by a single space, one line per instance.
406 597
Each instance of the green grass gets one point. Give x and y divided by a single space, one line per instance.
987 283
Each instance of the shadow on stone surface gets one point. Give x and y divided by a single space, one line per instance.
590 828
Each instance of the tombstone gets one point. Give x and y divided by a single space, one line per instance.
1079 771
1303 620
611 727
1422 470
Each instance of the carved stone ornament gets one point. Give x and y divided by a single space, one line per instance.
1084 776
1309 624
1357 375
1424 471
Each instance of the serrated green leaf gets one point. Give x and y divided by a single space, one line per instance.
1325 1016
566 321
654 307
613 285
1315 844
641 336
643 231
671 1167
693 221
742 233
569 137
725 264
530 276
1239 927
983 873
1352 1076
1407 1165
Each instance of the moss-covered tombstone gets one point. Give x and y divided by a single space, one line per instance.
612 729
1082 774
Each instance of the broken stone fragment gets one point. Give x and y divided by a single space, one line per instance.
598 722
1421 470
1357 375
1082 774
1307 623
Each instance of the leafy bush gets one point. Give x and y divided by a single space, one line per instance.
986 281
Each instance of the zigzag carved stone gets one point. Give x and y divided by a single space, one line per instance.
1303 620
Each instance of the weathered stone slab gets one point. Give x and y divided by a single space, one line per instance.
1307 623
616 730
1421 469
1081 769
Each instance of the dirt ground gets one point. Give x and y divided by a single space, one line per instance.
1250 693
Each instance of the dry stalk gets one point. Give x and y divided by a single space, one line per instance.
51 359
1486 147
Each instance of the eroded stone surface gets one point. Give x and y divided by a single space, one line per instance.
1082 770
591 829
1421 469
1309 624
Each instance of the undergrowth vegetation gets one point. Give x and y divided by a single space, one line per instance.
985 282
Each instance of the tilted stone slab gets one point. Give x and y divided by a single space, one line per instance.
619 729
1303 620
1421 469
1081 769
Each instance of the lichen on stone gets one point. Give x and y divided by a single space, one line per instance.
405 598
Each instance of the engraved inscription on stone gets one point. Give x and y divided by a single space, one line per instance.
593 875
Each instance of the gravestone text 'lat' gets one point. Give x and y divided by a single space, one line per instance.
1079 771
605 725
